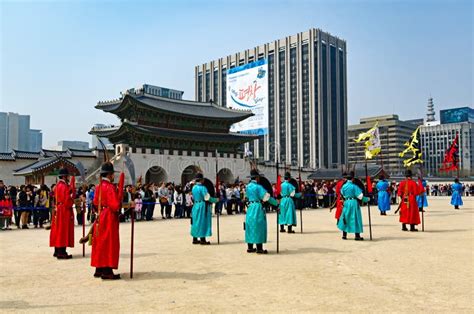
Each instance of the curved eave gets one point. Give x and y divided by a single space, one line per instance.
189 109
126 130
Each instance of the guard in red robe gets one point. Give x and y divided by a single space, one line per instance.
105 234
339 199
62 224
409 212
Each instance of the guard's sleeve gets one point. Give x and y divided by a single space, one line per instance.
358 192
113 201
272 201
298 195
213 199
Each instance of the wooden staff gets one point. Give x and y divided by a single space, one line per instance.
299 200
217 194
368 204
278 210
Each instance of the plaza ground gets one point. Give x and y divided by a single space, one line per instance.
315 271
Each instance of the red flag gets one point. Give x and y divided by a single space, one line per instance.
369 185
451 159
278 185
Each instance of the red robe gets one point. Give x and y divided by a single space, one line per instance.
105 236
409 213
62 224
339 200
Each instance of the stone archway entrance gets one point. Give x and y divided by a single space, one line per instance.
189 173
156 174
225 176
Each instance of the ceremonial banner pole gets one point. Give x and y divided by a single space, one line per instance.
368 203
83 232
215 206
278 209
131 242
422 210
299 201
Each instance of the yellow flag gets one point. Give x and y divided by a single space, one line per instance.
372 145
413 147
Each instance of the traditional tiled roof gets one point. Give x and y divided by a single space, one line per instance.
125 129
18 154
331 174
181 107
55 153
44 164
7 156
81 152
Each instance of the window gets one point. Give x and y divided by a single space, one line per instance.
293 107
334 117
271 105
325 135
305 103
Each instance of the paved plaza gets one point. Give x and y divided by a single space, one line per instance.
315 271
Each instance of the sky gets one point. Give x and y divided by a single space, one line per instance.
59 58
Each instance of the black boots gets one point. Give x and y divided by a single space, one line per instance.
412 228
108 274
196 241
456 207
344 235
250 248
61 253
290 229
404 227
204 242
358 237
260 249
282 228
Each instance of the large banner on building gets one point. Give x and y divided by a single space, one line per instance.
247 89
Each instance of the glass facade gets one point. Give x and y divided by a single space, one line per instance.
271 105
305 103
316 102
215 87
200 87
282 105
224 87
334 125
324 107
208 85
342 113
294 107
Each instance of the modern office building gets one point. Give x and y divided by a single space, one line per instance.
307 97
15 133
156 91
437 136
393 132
64 145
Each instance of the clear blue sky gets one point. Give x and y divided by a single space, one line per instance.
58 58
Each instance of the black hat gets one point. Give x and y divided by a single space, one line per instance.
381 177
348 176
106 168
199 176
456 180
254 174
408 173
287 175
63 172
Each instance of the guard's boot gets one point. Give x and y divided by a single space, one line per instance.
456 207
98 272
344 235
358 237
196 241
260 249
250 248
282 228
412 228
204 242
108 274
290 229
55 252
404 227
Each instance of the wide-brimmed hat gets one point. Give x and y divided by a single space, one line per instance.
408 173
287 175
199 176
348 176
107 167
254 174
63 172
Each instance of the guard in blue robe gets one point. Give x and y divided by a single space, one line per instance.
287 214
351 217
421 199
456 199
383 196
256 219
201 217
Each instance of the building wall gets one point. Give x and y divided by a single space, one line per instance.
436 139
35 141
307 97
15 133
394 133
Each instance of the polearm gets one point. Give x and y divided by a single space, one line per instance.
131 242
278 209
423 201
83 232
299 201
368 204
217 188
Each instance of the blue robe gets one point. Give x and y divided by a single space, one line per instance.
421 199
256 218
201 213
351 217
287 205
456 199
383 196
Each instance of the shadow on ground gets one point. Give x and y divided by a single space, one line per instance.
155 275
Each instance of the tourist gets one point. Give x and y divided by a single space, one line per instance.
188 203
163 196
137 209
6 211
178 202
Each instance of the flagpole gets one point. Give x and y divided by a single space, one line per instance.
217 187
368 203
299 200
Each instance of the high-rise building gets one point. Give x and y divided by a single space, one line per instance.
307 97
15 133
393 132
156 91
80 145
437 136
